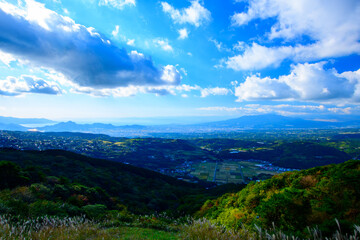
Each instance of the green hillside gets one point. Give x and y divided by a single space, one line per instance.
294 200
82 180
49 190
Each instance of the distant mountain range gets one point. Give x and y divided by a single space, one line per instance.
12 120
19 124
256 122
12 127
269 121
92 128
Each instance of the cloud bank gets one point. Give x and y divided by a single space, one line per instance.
333 30
306 82
46 39
12 86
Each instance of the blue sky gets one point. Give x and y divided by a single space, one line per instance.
92 59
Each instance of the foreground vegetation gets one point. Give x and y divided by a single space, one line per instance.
294 201
81 228
75 228
55 177
61 195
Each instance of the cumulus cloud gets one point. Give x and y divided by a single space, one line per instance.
214 91
313 82
354 78
333 31
258 57
47 39
195 14
119 4
309 82
170 75
183 33
12 86
163 44
257 88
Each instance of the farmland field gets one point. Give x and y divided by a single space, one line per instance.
230 172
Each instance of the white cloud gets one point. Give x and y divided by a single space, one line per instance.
134 90
183 71
115 32
219 45
171 75
136 55
195 14
12 86
119 4
354 78
187 88
117 92
333 30
80 53
164 44
257 88
131 42
313 82
214 91
306 82
183 33
6 58
258 57
58 77
239 46
346 110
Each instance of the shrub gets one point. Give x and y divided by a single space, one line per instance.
95 211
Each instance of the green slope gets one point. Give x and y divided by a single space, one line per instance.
294 200
97 181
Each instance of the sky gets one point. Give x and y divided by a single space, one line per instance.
109 59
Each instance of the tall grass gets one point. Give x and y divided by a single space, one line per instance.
51 228
75 228
203 229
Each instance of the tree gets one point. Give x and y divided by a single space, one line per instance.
11 175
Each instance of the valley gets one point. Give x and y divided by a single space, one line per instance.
248 156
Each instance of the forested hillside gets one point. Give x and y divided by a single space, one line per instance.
294 200
63 176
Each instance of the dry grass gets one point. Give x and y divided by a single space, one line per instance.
75 229
80 228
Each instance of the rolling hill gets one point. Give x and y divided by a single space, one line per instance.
294 200
141 190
